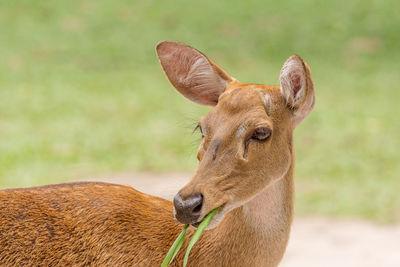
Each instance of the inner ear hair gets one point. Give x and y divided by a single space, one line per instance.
297 87
293 81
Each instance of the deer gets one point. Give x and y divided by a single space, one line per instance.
246 167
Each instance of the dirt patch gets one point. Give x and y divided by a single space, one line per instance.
313 242
329 243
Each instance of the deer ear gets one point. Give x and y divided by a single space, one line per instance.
297 88
194 75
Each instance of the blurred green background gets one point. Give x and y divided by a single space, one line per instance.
82 92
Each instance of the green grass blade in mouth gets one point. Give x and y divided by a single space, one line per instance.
175 247
198 233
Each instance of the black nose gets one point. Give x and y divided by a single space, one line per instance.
188 210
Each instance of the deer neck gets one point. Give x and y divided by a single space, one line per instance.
270 213
259 230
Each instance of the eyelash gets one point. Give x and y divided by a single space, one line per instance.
198 128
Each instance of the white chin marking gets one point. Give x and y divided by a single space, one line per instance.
215 221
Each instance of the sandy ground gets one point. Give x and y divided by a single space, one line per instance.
314 241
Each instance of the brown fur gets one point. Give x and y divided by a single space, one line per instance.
81 224
100 224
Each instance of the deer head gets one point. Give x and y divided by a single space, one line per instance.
246 137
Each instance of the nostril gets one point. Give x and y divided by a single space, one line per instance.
197 208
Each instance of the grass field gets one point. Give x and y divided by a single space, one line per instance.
82 92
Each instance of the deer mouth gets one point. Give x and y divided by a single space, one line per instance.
196 224
214 221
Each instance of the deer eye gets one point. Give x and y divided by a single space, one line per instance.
261 134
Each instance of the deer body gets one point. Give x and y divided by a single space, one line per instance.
246 162
70 225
